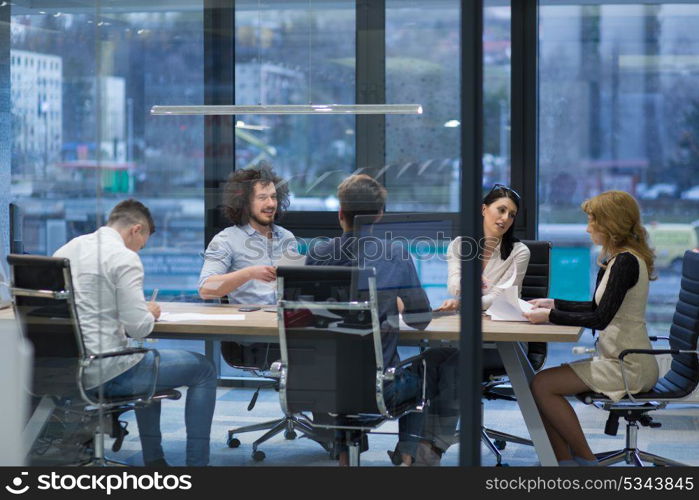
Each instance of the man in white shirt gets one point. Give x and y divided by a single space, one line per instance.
108 278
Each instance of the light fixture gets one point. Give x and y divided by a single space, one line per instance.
291 109
452 123
246 126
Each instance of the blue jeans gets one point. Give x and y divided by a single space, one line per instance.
437 423
177 368
406 386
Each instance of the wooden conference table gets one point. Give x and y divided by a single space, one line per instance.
261 326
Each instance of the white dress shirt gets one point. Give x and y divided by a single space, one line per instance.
108 281
496 270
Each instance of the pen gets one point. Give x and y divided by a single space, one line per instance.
154 296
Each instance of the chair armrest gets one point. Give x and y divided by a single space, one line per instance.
412 359
390 373
652 352
124 352
391 370
655 338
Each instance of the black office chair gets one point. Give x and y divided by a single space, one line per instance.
676 386
535 285
257 359
332 360
44 304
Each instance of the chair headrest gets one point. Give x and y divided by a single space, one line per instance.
690 265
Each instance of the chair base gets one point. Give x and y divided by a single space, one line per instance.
510 438
495 441
631 454
287 424
105 462
491 446
635 457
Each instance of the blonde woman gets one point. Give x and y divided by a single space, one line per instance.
617 311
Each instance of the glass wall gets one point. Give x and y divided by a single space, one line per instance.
422 65
82 83
619 109
293 53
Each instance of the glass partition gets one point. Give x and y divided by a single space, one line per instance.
82 80
293 53
618 110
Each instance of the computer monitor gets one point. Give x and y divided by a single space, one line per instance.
424 237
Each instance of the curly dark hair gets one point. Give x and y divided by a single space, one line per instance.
240 187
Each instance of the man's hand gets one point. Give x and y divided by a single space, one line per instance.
262 273
539 315
449 305
400 304
154 309
543 303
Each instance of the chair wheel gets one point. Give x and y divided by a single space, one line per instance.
500 444
289 435
258 456
233 442
502 465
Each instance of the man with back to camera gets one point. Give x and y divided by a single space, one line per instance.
399 290
108 278
239 261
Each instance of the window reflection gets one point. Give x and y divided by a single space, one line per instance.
618 110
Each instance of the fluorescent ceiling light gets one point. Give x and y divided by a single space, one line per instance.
291 109
452 123
247 126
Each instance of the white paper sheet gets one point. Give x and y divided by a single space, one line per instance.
508 306
171 317
291 260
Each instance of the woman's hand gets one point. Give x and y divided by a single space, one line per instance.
449 305
543 303
537 315
484 285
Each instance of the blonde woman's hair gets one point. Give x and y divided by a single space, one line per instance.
616 215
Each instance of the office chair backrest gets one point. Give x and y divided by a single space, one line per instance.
330 353
535 286
49 320
683 376
537 279
255 357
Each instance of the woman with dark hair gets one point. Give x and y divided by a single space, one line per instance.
501 252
